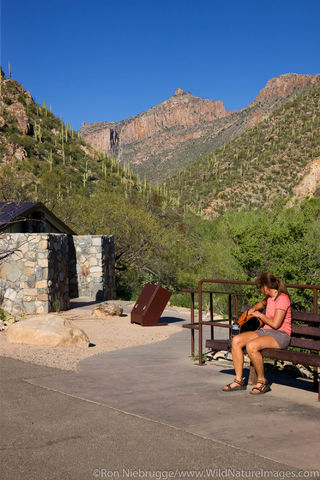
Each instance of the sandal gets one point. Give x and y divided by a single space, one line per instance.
264 388
241 386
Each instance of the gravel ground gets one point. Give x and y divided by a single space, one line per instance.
106 334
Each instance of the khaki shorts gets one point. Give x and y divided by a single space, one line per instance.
281 337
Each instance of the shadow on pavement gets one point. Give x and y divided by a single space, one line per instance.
170 320
279 377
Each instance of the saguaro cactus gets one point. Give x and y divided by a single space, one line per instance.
85 178
37 132
59 195
50 160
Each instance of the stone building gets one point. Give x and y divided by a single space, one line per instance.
44 263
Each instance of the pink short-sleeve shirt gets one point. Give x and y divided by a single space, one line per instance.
281 302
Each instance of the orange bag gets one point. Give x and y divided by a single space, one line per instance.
249 323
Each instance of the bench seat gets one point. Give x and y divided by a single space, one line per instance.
306 359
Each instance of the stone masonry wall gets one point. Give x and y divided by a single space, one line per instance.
24 274
45 270
92 266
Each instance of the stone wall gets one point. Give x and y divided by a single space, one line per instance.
46 270
24 274
92 266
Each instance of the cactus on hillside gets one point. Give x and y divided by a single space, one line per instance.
37 132
50 160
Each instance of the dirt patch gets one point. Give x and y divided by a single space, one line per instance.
105 334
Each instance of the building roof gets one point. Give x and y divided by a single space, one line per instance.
13 211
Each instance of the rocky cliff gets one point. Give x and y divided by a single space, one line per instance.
175 133
180 110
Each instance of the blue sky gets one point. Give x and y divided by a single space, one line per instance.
109 60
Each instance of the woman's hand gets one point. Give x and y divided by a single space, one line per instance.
259 315
251 311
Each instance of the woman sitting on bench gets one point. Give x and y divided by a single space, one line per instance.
274 334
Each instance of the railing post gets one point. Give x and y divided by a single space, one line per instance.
211 316
230 314
236 307
315 300
192 321
315 369
200 321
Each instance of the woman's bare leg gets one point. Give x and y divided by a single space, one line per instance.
253 348
238 343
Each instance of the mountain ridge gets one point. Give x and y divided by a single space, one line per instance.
274 161
173 134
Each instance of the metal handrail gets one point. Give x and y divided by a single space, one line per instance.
315 289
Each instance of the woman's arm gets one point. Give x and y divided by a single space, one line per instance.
274 322
258 306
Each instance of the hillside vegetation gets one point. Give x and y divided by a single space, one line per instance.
259 168
42 159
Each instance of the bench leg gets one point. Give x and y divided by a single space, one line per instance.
192 343
316 382
252 375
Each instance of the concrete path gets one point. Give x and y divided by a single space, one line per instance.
48 435
161 383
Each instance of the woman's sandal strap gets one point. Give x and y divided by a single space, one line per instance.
241 386
263 384
264 387
239 382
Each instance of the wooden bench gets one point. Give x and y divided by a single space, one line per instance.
305 336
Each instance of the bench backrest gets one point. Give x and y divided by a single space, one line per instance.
305 331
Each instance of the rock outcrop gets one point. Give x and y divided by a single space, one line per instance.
49 330
19 113
107 309
173 134
283 87
310 183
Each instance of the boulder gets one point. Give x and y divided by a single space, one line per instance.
20 154
47 330
107 310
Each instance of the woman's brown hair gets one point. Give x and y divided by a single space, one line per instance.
267 279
